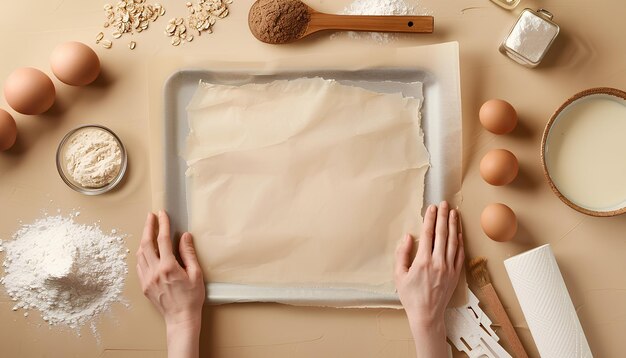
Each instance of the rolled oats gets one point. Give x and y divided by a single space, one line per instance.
201 17
128 17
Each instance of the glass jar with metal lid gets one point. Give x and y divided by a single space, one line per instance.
531 37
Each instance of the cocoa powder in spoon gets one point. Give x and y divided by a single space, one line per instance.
278 21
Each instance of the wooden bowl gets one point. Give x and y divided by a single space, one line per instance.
545 144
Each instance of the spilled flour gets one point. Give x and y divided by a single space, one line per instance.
382 7
69 272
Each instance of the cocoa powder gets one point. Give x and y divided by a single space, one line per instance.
278 21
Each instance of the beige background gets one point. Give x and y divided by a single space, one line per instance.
589 52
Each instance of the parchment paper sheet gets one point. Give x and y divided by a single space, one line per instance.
303 183
437 67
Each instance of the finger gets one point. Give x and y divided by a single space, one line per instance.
147 241
143 278
460 255
453 237
188 255
142 263
403 253
142 268
441 232
425 247
163 239
140 274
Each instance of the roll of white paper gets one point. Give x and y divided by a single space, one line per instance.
546 304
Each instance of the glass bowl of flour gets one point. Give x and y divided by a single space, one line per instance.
91 159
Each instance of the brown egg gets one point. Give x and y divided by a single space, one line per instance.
498 116
29 91
75 64
499 167
8 130
499 222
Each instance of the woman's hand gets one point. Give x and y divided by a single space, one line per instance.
177 292
426 284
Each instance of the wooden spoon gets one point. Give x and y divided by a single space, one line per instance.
284 21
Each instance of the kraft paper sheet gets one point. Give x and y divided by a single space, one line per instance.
303 183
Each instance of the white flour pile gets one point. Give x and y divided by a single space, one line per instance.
68 271
380 7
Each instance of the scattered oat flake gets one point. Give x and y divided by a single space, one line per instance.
129 17
99 37
132 45
107 44
201 17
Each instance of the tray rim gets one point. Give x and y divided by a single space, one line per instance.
221 293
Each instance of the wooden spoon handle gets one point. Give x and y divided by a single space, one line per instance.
414 24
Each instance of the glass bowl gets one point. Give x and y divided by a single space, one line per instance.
67 177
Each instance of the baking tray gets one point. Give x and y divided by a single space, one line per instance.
441 122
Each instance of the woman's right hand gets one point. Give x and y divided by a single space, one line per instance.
177 292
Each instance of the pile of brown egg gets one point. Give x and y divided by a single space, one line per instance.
29 91
498 167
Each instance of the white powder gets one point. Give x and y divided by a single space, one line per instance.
67 271
380 7
531 37
93 158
